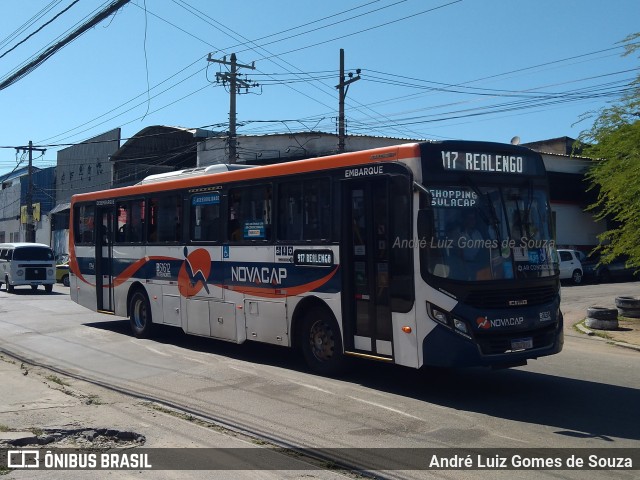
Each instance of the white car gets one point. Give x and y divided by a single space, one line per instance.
570 266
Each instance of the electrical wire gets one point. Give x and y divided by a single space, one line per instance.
39 29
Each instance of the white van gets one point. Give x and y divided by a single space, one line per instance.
27 264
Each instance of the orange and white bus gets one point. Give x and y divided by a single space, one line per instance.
435 253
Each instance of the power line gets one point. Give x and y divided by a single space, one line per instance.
385 24
30 22
24 71
39 29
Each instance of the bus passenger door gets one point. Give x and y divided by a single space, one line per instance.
104 257
365 259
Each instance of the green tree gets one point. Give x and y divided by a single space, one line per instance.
614 142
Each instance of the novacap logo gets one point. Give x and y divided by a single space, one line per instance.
483 322
194 272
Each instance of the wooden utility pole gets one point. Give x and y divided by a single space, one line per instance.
235 84
30 235
343 88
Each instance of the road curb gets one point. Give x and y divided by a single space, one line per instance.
584 329
580 326
627 345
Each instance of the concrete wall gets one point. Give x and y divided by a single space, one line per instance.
86 167
82 168
9 210
576 228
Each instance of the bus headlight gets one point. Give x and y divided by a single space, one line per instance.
20 273
460 326
438 315
50 273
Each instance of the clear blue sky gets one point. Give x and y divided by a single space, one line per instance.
433 69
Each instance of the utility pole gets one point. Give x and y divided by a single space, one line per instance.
235 84
342 93
30 235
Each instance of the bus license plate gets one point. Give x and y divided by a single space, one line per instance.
522 344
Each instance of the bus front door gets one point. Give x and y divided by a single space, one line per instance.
104 258
366 247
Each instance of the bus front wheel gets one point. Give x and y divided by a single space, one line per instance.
321 342
140 314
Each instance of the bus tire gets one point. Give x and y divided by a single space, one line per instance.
321 342
9 286
48 288
140 314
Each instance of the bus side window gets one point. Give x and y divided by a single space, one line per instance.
136 221
249 216
165 219
124 217
205 217
290 210
84 223
305 210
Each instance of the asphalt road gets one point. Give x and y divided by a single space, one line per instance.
586 397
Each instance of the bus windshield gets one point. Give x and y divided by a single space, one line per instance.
481 233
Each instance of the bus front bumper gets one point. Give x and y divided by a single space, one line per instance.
443 347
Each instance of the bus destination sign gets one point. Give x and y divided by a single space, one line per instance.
483 162
313 258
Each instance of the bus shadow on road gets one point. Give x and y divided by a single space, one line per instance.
576 408
253 352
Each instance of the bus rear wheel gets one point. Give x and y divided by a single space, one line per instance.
9 286
321 342
140 314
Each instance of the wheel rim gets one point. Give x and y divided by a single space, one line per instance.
577 277
139 313
321 340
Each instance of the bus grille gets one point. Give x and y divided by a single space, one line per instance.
492 344
39 273
512 298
